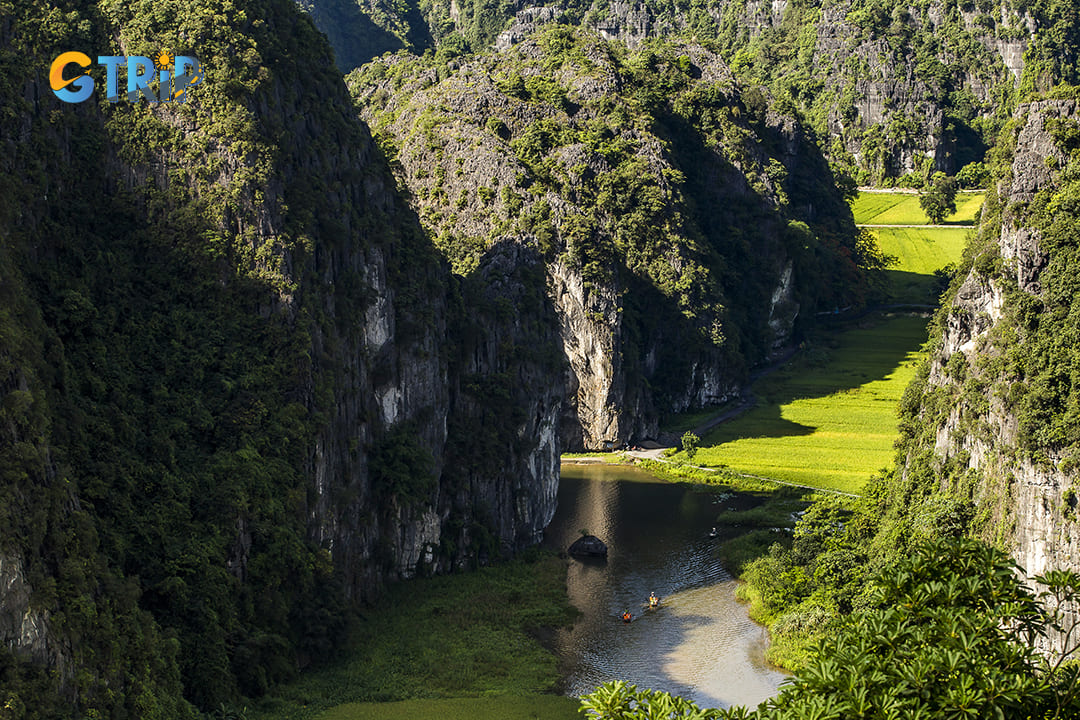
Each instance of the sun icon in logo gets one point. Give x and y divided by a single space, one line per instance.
164 60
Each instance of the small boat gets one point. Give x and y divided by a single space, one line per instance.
714 534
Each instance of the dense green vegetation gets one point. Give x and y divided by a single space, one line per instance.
937 198
160 392
947 632
946 91
828 80
180 283
360 33
943 50
824 74
183 290
466 636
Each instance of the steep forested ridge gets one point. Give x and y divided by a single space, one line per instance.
899 90
990 427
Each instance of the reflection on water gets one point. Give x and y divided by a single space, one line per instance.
700 643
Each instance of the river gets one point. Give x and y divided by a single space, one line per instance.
700 643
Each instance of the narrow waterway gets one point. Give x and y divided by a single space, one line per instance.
700 643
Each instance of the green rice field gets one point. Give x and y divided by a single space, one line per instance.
827 419
895 208
919 251
922 250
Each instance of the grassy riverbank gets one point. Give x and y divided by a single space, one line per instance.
503 707
462 645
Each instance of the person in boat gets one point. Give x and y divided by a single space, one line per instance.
626 616
653 600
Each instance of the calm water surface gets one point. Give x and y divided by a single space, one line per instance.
700 643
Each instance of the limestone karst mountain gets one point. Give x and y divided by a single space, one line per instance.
255 362
685 228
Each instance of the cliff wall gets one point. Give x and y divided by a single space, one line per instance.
997 447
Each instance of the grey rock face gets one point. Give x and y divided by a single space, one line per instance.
22 628
1025 501
402 372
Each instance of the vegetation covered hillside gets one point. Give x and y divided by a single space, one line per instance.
987 447
230 361
688 230
899 89
877 603
990 435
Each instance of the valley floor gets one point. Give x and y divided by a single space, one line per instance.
455 646
828 418
466 645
